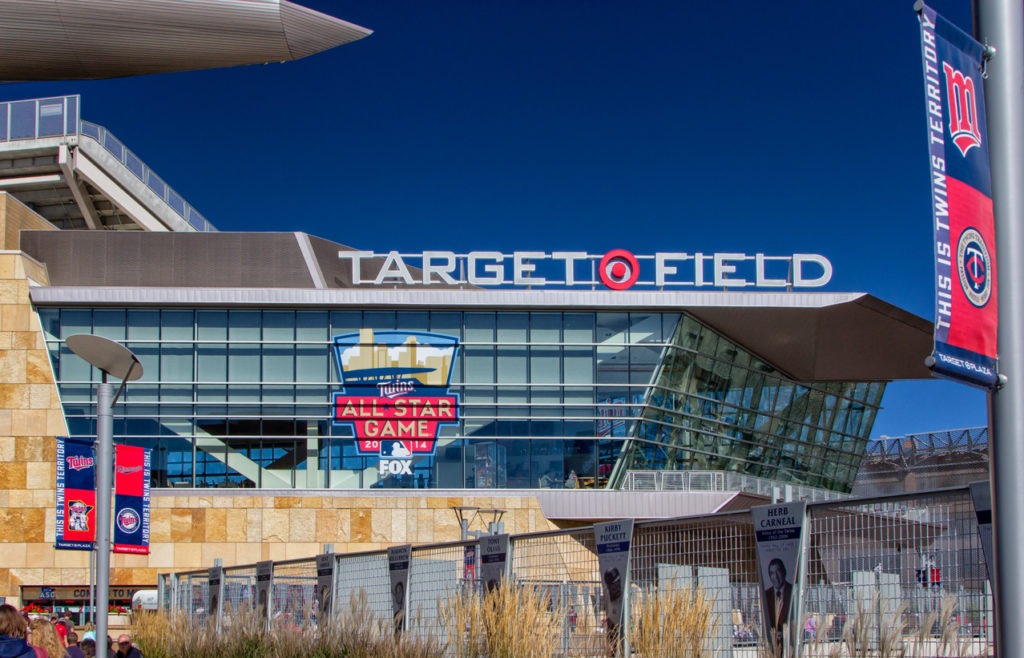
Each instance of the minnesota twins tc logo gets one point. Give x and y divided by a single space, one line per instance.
963 109
975 267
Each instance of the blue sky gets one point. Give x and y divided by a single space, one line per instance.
782 127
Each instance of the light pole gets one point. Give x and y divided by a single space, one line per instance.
999 24
110 358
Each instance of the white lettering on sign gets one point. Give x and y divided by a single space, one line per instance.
394 467
579 269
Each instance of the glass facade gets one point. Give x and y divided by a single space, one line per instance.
243 398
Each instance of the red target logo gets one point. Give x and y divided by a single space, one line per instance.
619 269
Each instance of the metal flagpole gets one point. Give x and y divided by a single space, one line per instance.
91 614
1000 24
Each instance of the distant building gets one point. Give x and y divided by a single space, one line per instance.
919 462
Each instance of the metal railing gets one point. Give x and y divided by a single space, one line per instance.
723 481
59 117
871 559
138 168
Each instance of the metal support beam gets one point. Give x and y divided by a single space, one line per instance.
82 200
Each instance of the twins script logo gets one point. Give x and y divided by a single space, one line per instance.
963 109
395 392
128 520
78 463
128 470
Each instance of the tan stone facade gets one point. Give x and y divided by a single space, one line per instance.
187 530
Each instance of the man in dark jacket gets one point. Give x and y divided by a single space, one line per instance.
125 648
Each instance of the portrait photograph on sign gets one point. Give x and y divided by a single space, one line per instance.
778 532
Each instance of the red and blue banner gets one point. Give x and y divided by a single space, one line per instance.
76 494
966 308
131 500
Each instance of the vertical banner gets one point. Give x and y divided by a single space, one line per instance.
324 597
399 558
778 533
76 495
493 560
613 541
469 562
981 494
964 236
214 593
264 577
131 499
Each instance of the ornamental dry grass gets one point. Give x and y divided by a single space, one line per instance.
360 634
508 622
676 623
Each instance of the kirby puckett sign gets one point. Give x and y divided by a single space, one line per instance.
395 396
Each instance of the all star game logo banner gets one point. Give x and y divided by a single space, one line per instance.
396 394
131 500
965 255
76 495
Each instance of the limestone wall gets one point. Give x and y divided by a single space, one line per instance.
16 217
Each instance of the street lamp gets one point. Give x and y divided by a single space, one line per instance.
462 514
110 358
495 527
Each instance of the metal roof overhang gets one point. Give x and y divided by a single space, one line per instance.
809 336
93 39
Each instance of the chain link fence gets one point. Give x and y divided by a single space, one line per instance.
911 564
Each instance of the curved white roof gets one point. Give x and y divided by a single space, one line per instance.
90 39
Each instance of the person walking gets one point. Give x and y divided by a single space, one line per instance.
42 635
13 632
74 651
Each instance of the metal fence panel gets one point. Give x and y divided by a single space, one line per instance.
363 578
292 595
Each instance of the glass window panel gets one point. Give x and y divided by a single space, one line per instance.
480 327
545 327
612 328
545 365
644 328
579 365
413 321
278 363
578 327
379 320
278 325
345 322
244 325
109 323
669 325
446 323
512 327
49 318
211 325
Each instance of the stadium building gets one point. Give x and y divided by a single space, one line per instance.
298 392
